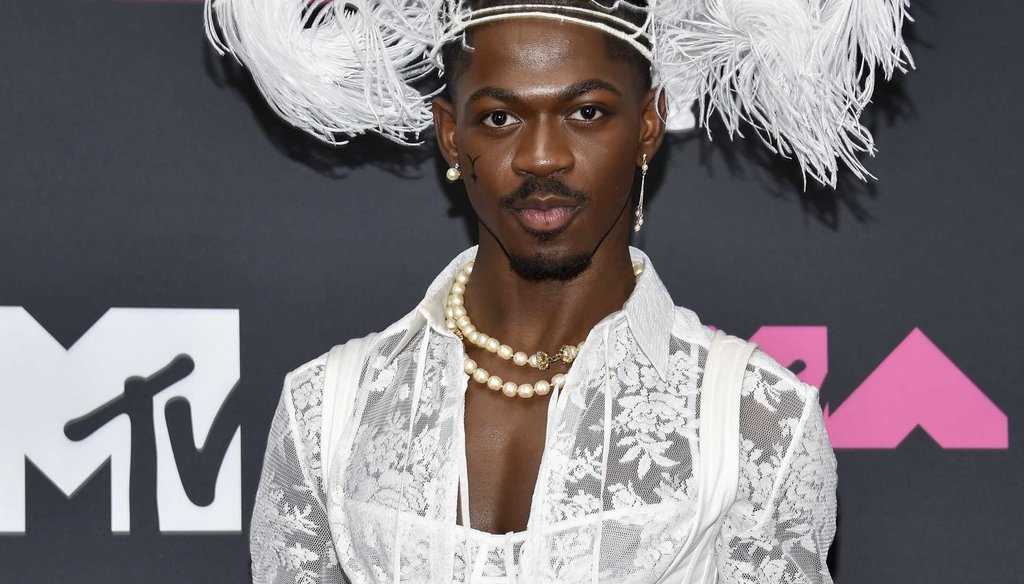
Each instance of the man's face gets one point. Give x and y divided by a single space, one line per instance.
548 129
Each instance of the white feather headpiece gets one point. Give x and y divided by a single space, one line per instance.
799 72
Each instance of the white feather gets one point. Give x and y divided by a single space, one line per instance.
346 73
799 72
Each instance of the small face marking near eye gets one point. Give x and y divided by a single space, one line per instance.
472 166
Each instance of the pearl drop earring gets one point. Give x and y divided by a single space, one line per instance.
454 173
640 206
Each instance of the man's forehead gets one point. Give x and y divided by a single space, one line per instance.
535 53
535 40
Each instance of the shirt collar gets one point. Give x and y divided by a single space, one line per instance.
648 310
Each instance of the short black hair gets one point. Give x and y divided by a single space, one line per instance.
455 59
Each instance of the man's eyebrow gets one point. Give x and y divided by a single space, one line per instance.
569 93
495 93
583 87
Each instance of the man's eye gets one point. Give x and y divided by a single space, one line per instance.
587 113
499 119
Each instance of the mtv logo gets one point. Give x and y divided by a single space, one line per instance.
916 386
71 412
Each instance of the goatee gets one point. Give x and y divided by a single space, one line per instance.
537 268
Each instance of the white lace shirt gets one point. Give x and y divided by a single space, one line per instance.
615 491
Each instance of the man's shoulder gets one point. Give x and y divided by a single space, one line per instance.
687 327
762 368
780 375
308 370
382 340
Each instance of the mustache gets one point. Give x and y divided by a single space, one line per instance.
543 185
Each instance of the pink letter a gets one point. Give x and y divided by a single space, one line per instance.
917 385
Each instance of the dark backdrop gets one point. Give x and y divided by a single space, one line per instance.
138 170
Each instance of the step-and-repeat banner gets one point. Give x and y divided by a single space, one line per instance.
169 250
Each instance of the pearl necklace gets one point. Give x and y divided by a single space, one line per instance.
457 320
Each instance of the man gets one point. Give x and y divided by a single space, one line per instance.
565 431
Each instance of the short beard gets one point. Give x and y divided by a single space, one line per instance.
537 268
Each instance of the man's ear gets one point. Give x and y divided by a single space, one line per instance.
652 124
444 128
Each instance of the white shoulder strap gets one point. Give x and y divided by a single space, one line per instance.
341 384
718 464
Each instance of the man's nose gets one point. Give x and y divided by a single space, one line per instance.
543 149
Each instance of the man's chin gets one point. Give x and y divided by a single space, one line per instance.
541 266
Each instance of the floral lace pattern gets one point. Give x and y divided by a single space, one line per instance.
289 538
616 490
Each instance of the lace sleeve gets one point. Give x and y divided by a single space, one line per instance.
782 524
290 540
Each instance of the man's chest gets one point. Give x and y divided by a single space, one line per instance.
613 450
504 448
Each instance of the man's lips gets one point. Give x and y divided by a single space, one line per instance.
545 212
550 219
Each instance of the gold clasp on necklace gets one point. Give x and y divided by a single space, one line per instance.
544 360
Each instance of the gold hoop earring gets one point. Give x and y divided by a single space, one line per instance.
454 173
640 206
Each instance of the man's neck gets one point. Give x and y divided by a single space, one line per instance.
543 315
